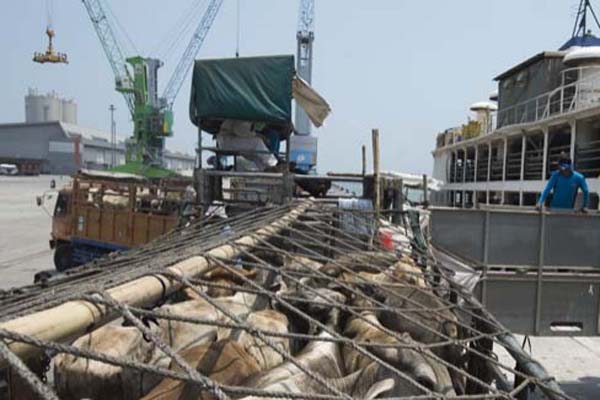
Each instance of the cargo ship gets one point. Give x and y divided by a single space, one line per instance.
545 106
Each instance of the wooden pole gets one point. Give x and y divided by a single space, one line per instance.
75 318
425 191
376 182
364 160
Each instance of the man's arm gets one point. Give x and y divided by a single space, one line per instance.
547 189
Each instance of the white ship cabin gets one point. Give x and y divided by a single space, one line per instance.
546 105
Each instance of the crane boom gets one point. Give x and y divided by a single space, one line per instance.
137 79
112 49
184 65
303 145
306 16
305 37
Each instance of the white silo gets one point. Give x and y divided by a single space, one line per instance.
69 111
42 108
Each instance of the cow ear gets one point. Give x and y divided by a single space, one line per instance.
379 388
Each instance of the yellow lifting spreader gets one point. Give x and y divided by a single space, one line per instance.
50 56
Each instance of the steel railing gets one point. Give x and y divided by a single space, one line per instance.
582 94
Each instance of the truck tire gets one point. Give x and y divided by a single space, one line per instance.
63 257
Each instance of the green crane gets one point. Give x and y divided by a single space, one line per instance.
137 79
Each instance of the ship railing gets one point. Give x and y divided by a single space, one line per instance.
576 96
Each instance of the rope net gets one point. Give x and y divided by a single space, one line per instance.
295 301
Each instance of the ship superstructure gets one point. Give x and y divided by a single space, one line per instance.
547 105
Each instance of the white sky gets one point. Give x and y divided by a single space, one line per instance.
410 68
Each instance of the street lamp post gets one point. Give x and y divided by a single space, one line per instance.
113 136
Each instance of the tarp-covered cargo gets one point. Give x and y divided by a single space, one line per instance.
249 89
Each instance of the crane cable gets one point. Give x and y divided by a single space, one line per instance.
185 28
49 13
121 28
168 37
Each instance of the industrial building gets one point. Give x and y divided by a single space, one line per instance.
50 141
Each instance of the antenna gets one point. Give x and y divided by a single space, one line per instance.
580 27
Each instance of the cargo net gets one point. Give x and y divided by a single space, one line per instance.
302 302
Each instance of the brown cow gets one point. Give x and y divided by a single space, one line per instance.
82 378
229 360
221 276
223 361
367 261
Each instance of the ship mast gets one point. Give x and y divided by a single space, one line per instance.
580 27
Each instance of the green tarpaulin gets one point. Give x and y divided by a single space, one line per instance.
144 170
249 89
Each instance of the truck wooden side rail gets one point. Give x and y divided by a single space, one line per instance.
101 214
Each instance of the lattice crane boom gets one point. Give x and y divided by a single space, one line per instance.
306 17
111 47
187 59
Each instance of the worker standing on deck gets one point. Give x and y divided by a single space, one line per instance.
564 184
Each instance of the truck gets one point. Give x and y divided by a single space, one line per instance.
101 212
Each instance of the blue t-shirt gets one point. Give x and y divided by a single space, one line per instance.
564 190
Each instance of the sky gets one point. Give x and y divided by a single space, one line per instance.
409 68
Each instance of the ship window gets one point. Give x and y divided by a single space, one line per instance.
507 84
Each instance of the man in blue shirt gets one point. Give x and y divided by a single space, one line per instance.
564 184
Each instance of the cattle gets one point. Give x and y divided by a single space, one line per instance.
223 361
81 378
320 357
231 359
419 320
297 265
399 274
77 378
421 366
317 303
236 357
220 276
367 383
423 324
367 261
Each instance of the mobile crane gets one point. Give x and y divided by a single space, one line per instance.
136 78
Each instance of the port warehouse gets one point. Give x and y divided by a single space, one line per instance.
60 148
50 141
547 105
